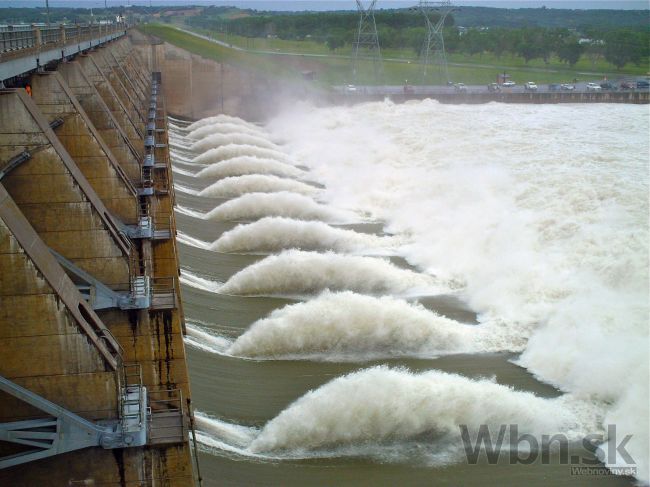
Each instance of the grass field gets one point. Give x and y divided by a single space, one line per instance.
399 65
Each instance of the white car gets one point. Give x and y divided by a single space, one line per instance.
567 87
508 84
350 88
530 86
593 87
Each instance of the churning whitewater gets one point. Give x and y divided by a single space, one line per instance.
218 140
374 411
273 234
351 325
535 215
233 186
253 206
299 273
242 165
225 128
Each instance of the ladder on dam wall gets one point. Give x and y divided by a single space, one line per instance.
91 326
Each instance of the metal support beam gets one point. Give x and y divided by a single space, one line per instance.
101 296
63 431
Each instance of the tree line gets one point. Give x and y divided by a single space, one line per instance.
400 29
619 47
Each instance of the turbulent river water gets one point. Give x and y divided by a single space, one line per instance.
364 284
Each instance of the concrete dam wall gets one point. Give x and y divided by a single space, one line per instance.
94 387
196 87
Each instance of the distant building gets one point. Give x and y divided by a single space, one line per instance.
586 40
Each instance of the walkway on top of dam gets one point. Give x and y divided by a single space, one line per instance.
26 48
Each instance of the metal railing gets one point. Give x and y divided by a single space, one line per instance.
166 416
166 400
133 401
161 180
16 38
163 293
162 226
145 184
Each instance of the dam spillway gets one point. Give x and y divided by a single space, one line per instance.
357 285
94 386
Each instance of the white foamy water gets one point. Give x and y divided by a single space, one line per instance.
221 118
243 165
352 326
218 140
185 158
184 172
255 183
273 234
188 211
225 128
181 145
237 150
298 273
371 411
190 279
542 210
185 189
252 206
192 241
199 337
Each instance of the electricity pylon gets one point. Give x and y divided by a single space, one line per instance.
366 48
434 42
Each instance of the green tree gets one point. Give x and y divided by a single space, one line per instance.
570 51
529 45
622 47
473 42
334 41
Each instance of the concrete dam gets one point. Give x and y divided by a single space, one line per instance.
347 279
94 386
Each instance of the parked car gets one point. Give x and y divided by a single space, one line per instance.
642 85
626 85
554 87
530 86
608 86
351 88
508 84
494 87
593 87
460 87
567 87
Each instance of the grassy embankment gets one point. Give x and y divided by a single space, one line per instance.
399 64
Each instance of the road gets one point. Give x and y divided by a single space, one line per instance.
580 87
417 90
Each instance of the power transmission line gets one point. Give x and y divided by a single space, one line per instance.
366 48
433 50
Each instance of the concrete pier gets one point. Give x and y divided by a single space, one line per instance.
90 311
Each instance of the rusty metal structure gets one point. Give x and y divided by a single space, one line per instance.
94 386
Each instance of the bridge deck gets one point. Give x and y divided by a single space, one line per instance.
24 49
